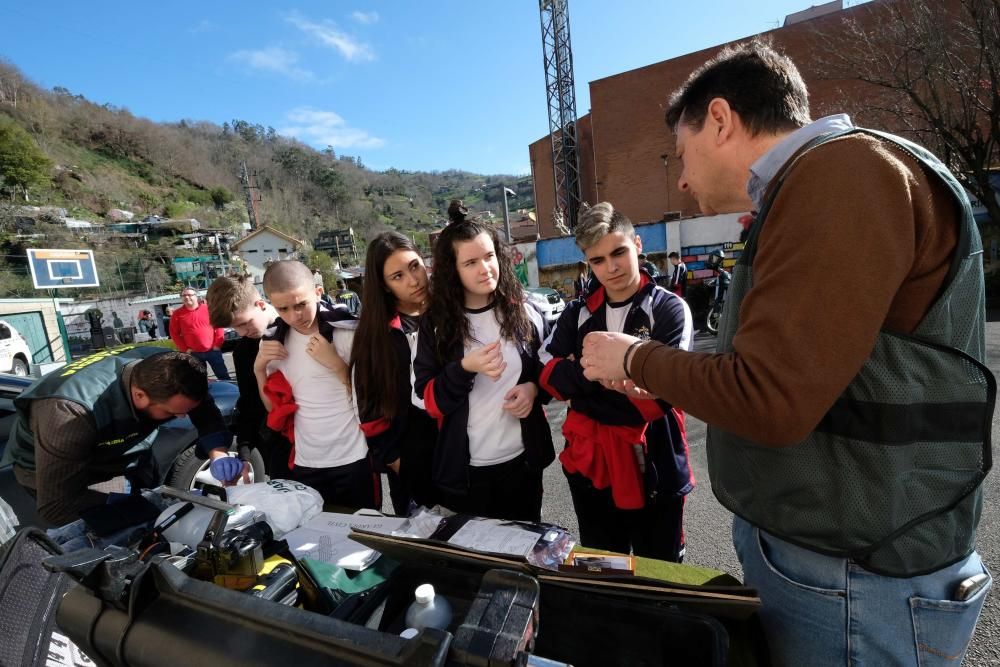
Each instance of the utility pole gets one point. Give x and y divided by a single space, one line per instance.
120 278
142 270
506 212
249 188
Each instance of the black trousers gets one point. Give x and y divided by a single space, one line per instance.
655 531
413 482
511 490
346 487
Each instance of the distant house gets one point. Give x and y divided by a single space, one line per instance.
199 271
339 244
523 226
265 245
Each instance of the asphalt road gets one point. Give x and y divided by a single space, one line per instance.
707 524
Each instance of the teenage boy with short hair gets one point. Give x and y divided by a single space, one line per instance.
233 301
678 275
301 374
625 458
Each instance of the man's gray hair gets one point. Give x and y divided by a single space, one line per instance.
598 221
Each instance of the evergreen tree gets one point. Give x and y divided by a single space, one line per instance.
22 163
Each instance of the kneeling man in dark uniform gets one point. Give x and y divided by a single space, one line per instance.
96 419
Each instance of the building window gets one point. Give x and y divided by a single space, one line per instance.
251 250
268 249
283 250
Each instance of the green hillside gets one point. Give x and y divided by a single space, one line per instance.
61 150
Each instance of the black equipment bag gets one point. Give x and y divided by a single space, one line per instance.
577 622
172 619
29 596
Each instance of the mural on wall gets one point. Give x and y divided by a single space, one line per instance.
520 266
525 259
696 259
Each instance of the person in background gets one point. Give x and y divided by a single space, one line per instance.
581 284
233 301
303 379
646 265
192 332
401 435
848 420
625 458
347 298
167 311
476 370
147 324
678 275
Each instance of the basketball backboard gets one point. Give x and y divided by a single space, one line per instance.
52 269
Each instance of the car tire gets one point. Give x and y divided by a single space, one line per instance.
19 367
188 468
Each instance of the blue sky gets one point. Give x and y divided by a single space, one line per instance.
427 85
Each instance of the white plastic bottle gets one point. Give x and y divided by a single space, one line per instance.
428 610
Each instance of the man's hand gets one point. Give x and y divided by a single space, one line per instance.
628 388
603 354
519 400
228 469
487 360
394 466
270 350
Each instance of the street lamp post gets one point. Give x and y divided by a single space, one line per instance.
506 213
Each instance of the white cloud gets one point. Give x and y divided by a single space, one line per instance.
329 35
273 59
366 18
203 26
326 128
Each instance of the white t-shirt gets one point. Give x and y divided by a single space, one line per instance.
494 433
327 432
615 316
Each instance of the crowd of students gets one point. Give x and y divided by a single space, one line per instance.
441 384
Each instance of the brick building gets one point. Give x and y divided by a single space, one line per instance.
626 151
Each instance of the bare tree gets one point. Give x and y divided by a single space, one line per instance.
928 69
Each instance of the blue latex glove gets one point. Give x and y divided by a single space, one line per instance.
226 468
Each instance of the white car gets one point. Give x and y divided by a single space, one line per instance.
15 355
549 301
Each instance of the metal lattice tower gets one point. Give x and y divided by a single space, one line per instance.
558 58
249 186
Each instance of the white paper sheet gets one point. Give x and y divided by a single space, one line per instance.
325 538
493 537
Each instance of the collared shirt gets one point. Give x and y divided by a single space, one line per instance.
767 165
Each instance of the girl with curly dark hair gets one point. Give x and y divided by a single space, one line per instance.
400 434
476 370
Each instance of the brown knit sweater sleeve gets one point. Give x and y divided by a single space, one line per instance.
858 237
64 444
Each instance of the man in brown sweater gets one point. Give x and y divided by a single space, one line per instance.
828 412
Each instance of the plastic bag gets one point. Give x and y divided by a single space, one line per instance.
286 504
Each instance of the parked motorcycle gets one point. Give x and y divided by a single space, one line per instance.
719 286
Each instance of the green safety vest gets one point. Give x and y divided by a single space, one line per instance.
891 476
93 382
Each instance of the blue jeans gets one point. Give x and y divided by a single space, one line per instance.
214 359
820 610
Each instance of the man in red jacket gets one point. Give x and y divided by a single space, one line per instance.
193 333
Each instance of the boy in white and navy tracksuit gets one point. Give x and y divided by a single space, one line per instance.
626 459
